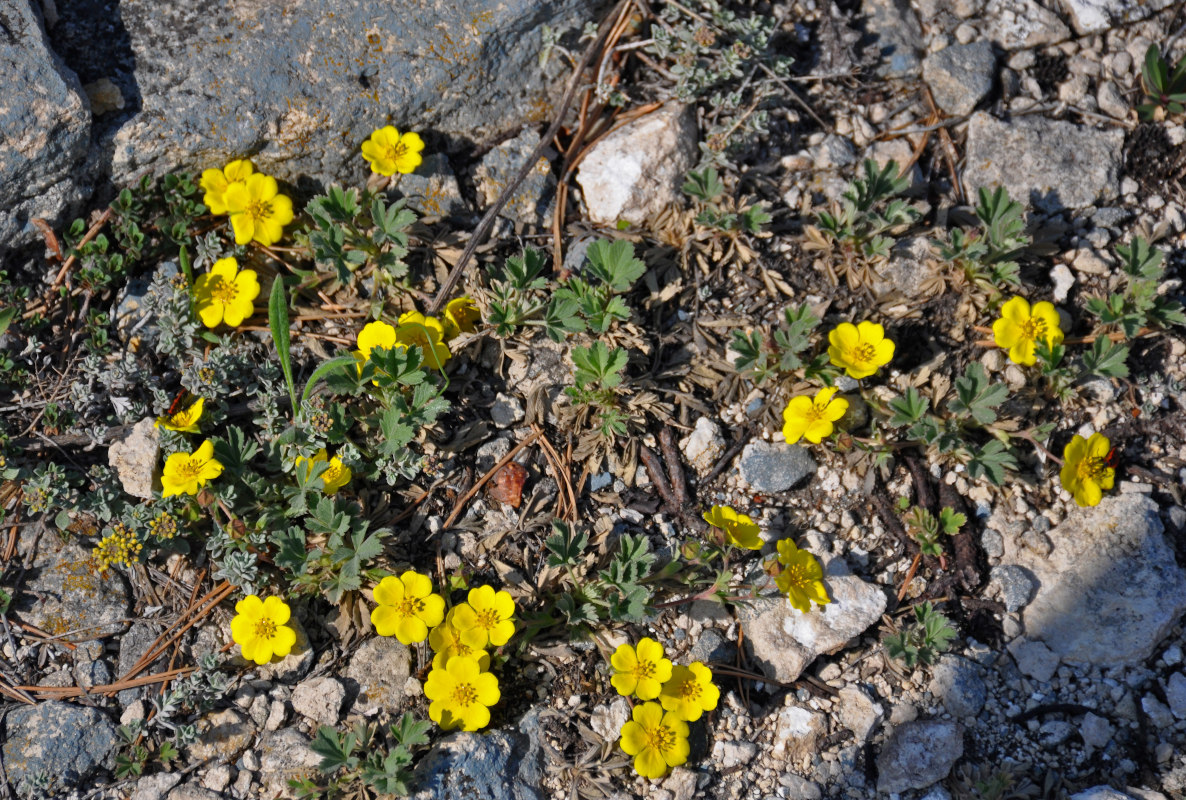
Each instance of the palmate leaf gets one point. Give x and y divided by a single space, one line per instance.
992 461
1107 359
976 396
565 544
614 264
336 749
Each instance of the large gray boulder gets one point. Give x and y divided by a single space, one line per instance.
61 741
45 128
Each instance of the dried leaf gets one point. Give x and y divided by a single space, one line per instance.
507 485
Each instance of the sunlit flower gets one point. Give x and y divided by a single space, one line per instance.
389 152
487 619
216 181
258 211
641 670
406 607
461 694
186 473
185 420
446 642
802 577
335 476
657 740
1087 469
860 350
427 333
121 546
461 316
812 419
225 294
739 529
690 691
1021 327
259 629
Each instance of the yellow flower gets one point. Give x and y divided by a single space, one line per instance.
259 629
1085 471
859 349
486 620
739 529
1020 327
446 642
802 578
258 212
216 181
406 607
186 473
640 671
657 741
690 692
427 333
388 152
812 419
224 294
461 694
334 478
118 547
185 420
461 316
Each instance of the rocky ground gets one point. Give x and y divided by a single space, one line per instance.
1067 678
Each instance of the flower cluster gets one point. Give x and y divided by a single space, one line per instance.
163 526
388 151
739 529
225 294
259 628
121 546
657 733
430 334
336 475
186 473
252 199
185 420
801 578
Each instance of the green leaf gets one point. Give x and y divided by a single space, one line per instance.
7 315
704 186
409 731
1139 260
566 545
992 461
278 321
598 364
1107 358
336 750
614 263
908 408
950 521
977 396
333 365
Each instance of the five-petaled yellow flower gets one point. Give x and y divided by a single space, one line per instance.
389 152
407 607
427 333
225 294
446 642
461 316
259 629
860 350
216 181
802 577
812 419
640 671
1087 470
258 211
1020 327
185 420
658 741
334 478
461 694
690 692
186 473
739 529
487 620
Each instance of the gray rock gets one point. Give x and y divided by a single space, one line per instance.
1063 280
45 130
898 35
63 593
1158 712
432 189
907 270
1112 101
1175 693
1096 731
190 791
1030 24
711 645
376 675
768 467
834 152
733 754
285 755
222 735
1055 732
1094 16
992 542
319 699
636 172
797 731
66 742
505 764
1045 163
799 787
859 712
960 76
1034 659
533 200
506 411
1079 610
154 787
136 459
704 445
958 685
132 645
607 720
784 641
918 754
1015 585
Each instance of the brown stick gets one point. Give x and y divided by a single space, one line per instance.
56 692
91 234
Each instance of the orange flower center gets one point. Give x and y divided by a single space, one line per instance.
488 618
259 209
409 606
396 151
796 576
265 628
190 468
660 738
223 291
644 669
864 352
1034 328
464 694
1091 468
690 689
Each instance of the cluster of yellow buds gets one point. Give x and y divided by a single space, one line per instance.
118 547
163 526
